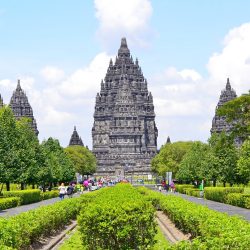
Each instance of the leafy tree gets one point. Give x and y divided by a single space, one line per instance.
197 164
57 166
169 157
8 147
225 156
237 112
243 164
83 159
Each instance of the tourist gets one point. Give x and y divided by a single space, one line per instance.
70 191
62 191
172 187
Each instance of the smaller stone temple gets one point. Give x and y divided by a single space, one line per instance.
219 123
21 108
168 140
1 101
75 139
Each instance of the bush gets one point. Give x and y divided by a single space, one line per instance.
119 218
180 188
238 199
209 229
220 193
22 230
49 194
192 191
9 202
26 196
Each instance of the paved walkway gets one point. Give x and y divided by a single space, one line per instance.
25 208
221 207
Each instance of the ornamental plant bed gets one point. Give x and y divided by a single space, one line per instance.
209 229
9 202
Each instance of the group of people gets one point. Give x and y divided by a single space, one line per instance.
168 187
66 190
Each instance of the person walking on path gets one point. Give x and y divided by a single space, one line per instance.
70 191
62 191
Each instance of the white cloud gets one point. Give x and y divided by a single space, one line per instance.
52 74
128 18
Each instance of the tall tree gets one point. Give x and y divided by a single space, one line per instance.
83 159
237 112
169 157
243 164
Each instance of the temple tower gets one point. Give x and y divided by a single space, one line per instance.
75 139
1 101
124 132
219 123
21 108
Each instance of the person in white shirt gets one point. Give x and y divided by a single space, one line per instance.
62 191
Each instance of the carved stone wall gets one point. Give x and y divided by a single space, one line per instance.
124 131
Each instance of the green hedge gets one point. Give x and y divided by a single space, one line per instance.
180 187
119 218
9 202
22 230
209 229
220 193
192 191
49 194
238 199
26 196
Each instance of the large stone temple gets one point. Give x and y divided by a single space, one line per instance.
75 139
1 101
21 108
219 123
124 132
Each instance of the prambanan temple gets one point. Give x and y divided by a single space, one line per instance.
21 108
75 139
124 132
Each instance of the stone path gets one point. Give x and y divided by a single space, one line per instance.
221 207
25 208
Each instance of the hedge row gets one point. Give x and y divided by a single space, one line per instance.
119 218
238 199
209 229
220 193
22 230
9 202
180 187
49 194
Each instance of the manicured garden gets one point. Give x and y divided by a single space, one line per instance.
123 217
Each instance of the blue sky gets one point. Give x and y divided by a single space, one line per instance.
187 49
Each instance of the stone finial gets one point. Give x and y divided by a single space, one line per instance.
168 140
18 85
228 85
124 43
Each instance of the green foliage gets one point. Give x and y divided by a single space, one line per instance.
237 112
209 229
83 159
243 164
26 196
169 158
49 194
9 202
73 243
180 187
119 218
238 199
57 165
220 193
192 192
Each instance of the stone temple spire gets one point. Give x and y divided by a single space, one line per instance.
21 108
124 132
1 101
219 123
75 139
168 140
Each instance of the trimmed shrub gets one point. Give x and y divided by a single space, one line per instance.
119 218
192 191
180 188
9 202
49 194
220 193
22 230
238 199
209 229
26 196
